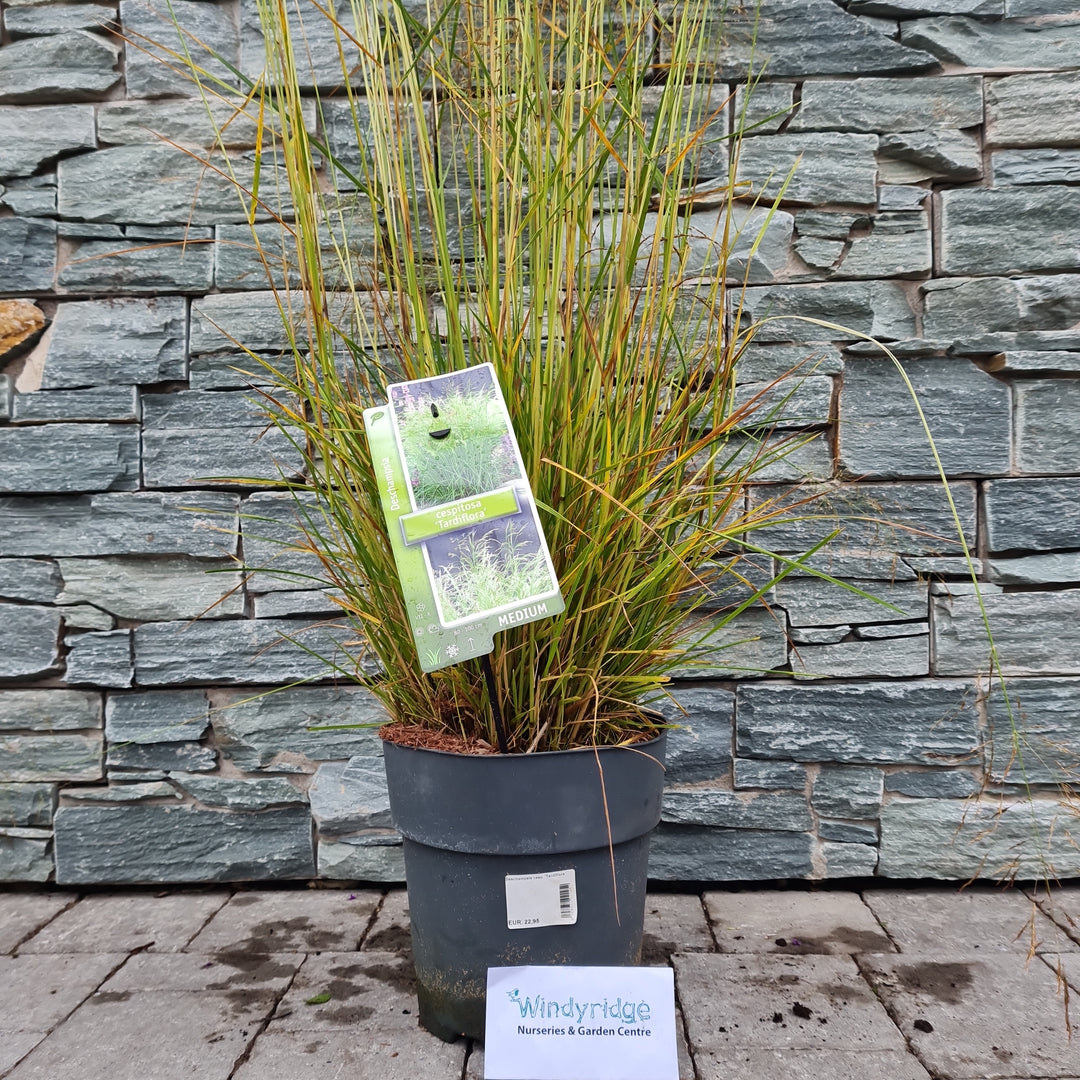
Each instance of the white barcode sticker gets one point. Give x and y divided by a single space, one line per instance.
541 899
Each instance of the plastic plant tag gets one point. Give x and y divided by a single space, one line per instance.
580 1023
470 552
541 899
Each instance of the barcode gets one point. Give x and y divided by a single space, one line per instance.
565 910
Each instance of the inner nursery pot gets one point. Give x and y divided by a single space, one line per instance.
470 821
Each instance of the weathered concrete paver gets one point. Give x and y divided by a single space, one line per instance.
981 1018
390 930
289 921
23 914
123 922
794 922
674 922
39 991
805 1064
919 920
194 972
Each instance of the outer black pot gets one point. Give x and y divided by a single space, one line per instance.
469 821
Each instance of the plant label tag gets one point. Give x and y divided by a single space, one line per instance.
580 1023
469 548
541 899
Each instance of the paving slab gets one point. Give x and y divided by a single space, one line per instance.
674 922
49 987
289 920
805 1064
356 1053
164 1034
933 920
794 923
15 1045
994 1016
197 972
123 922
23 914
1061 903
350 992
780 1003
390 930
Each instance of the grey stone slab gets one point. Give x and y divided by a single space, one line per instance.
892 657
99 658
1035 167
805 37
700 853
973 921
203 524
1028 362
801 401
933 783
240 794
730 1003
699 746
273 731
127 844
30 137
238 651
145 791
65 458
849 860
901 198
860 567
160 185
162 589
126 922
784 458
1009 230
25 855
1034 736
987 46
845 833
228 969
160 758
750 774
1059 569
765 108
1018 621
49 710
896 245
176 260
36 20
1045 434
28 805
221 321
372 857
779 811
349 797
195 437
152 1033
958 839
154 30
33 197
912 518
72 66
794 922
818 635
810 601
116 342
35 758
764 363
674 922
809 1064
27 253
364 1053
995 304
994 1016
23 914
1033 110
94 403
254 256
931 155
273 524
86 617
277 605
879 308
881 434
50 987
289 920
36 580
883 105
845 792
156 716
225 371
886 723
29 641
825 167
1032 514
908 8
748 646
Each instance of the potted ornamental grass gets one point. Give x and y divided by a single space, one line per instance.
512 188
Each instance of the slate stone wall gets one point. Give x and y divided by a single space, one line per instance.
936 205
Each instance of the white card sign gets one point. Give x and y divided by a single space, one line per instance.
580 1023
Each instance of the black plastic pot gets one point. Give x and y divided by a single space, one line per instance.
469 821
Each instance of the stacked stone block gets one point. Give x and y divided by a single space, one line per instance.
150 615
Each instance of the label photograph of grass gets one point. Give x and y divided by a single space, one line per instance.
464 506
